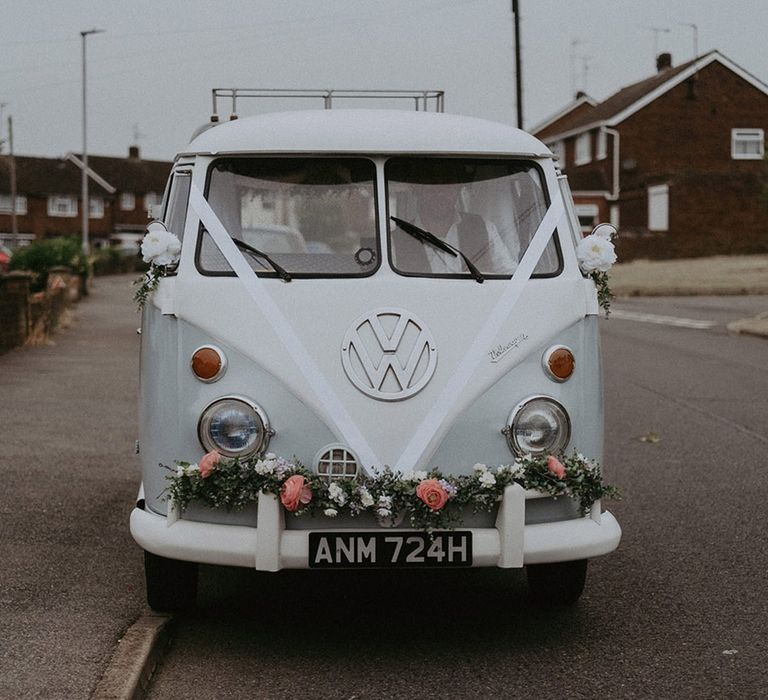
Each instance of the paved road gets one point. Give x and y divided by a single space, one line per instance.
679 611
71 580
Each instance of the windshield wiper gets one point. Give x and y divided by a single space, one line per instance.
426 237
257 253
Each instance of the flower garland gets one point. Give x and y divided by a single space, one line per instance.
430 500
160 248
596 255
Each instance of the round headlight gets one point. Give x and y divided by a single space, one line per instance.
234 427
538 426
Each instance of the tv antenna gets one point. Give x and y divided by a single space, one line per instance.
695 29
656 31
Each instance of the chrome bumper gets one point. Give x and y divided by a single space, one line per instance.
270 547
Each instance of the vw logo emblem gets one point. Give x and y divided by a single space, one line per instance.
389 354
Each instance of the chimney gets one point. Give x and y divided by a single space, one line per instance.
133 152
663 62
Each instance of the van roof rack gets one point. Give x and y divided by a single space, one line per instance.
422 99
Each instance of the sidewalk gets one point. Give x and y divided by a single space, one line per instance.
714 276
71 581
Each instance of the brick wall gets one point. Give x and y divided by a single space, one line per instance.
29 319
15 317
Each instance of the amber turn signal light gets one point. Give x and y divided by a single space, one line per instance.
559 363
208 363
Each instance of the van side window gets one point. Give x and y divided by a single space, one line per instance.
178 198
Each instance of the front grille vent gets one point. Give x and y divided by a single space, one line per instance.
336 462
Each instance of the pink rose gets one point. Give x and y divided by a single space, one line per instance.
295 493
556 467
432 493
208 463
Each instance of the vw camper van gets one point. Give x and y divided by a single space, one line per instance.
369 344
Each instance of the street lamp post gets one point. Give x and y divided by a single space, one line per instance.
518 64
84 195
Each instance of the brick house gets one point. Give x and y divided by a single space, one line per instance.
676 161
48 192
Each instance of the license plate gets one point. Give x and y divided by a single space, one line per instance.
384 550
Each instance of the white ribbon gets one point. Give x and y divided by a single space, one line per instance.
337 412
416 449
335 409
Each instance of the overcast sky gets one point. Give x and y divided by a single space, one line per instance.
151 72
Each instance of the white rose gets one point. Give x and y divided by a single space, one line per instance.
487 479
265 466
479 467
330 512
337 494
595 253
365 498
160 247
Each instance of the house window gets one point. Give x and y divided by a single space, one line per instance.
587 215
95 208
658 208
583 149
601 149
59 205
747 144
558 148
127 201
6 208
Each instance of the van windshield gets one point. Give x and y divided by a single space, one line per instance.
487 210
315 217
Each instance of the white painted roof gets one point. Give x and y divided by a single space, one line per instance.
365 131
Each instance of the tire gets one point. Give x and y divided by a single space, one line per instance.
556 585
171 584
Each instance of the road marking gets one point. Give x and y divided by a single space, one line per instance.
662 320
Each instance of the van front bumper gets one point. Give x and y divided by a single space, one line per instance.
270 547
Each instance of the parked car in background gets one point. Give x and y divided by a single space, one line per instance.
5 258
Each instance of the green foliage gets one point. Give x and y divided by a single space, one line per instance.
114 261
147 283
234 483
604 294
40 256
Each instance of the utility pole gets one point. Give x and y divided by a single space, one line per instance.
14 222
85 201
518 64
2 140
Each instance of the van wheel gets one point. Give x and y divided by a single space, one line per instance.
557 584
171 584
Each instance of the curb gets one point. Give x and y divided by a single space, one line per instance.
757 326
138 653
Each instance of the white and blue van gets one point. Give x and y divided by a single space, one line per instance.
374 348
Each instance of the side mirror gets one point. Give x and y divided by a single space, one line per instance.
155 211
607 231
